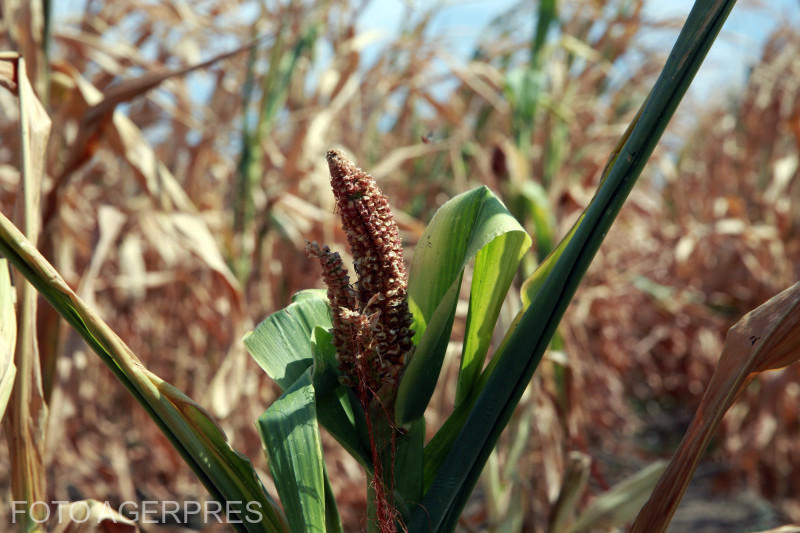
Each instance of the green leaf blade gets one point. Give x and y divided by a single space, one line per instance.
508 378
281 343
495 267
227 475
459 230
290 433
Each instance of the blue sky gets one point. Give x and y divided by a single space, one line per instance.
462 21
740 43
726 65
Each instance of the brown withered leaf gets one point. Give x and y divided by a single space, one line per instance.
175 233
109 223
27 410
767 338
91 516
23 24
8 337
8 70
101 119
132 88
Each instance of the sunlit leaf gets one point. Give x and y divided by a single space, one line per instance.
281 343
459 230
28 423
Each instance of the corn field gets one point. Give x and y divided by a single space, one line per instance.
185 171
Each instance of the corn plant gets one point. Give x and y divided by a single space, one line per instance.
363 358
431 483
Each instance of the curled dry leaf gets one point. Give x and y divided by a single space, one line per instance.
766 338
191 233
27 411
8 70
770 334
90 516
101 104
109 223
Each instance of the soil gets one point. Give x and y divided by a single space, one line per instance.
706 510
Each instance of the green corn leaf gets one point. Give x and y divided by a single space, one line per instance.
231 472
523 88
442 442
519 357
287 342
333 522
274 92
538 210
546 15
475 223
281 343
340 412
495 267
409 465
290 433
310 294
227 475
421 375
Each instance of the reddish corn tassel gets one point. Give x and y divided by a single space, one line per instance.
371 323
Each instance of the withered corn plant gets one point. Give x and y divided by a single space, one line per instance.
363 358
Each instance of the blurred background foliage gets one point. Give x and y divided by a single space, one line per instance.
178 201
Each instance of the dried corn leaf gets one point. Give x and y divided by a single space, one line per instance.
8 337
27 409
190 233
91 516
109 55
391 163
766 338
226 388
618 504
132 268
100 120
109 221
24 22
130 89
127 141
8 70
